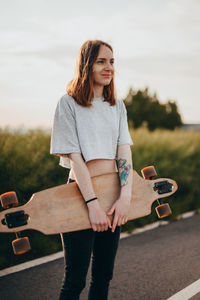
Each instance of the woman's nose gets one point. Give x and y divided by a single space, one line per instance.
109 66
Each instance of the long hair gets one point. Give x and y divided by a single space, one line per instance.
81 87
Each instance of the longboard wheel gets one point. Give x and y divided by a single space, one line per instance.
149 172
21 245
163 210
9 199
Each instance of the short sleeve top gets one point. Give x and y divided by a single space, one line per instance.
94 131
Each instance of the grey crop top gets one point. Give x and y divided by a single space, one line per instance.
94 131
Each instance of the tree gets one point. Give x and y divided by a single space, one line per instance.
142 108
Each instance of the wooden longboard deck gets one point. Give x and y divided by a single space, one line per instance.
62 208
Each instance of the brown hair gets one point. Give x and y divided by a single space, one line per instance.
81 87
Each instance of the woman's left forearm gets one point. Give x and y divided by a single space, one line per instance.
125 166
121 206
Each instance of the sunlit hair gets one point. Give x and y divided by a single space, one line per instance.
81 87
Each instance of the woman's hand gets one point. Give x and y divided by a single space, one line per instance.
121 209
98 218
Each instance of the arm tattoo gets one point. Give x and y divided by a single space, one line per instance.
124 170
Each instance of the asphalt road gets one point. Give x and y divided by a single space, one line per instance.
152 265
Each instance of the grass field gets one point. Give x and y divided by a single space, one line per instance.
27 167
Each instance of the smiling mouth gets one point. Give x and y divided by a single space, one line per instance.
107 76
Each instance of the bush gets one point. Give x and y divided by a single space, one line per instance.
27 167
176 155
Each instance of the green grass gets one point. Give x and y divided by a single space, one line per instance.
176 155
27 167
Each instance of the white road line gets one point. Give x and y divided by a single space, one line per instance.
45 259
188 292
30 264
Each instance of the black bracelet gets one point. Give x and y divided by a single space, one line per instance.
91 200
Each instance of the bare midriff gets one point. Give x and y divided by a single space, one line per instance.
98 167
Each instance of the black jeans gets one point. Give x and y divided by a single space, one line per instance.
78 247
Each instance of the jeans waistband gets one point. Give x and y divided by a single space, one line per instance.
71 180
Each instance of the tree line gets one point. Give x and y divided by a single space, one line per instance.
144 109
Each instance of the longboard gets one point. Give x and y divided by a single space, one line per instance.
62 208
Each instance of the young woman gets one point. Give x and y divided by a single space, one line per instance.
90 134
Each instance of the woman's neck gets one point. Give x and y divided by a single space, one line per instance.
98 91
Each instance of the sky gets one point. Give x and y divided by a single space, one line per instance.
156 44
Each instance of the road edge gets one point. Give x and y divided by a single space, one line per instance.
52 257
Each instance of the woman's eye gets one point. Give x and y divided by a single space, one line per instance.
101 62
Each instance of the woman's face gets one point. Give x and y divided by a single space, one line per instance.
103 68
